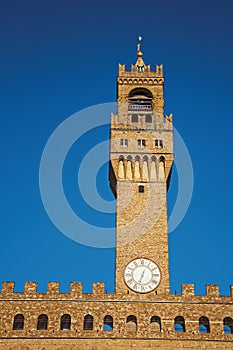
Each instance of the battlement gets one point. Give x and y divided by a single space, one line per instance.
53 290
98 292
212 290
122 70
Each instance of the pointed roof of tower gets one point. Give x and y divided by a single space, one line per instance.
140 63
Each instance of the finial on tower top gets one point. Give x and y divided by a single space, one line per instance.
139 46
140 64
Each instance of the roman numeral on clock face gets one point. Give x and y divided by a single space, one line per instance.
130 281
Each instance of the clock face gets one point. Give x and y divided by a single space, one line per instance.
142 275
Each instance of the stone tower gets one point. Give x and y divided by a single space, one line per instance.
140 167
141 314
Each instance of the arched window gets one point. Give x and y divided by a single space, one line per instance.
131 323
179 324
121 170
153 169
108 323
140 68
140 99
65 322
88 323
162 159
18 322
228 325
42 323
155 323
204 325
161 168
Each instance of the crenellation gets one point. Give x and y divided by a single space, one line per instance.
159 70
53 288
98 288
30 288
169 117
231 291
188 290
76 290
133 68
212 290
121 68
132 71
7 288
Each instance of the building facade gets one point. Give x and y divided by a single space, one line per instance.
141 314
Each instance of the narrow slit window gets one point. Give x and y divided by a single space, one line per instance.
141 189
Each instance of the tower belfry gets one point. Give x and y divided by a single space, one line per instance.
140 167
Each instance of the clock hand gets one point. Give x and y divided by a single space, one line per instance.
142 275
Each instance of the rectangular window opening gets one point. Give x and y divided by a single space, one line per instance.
159 143
134 118
141 189
141 143
148 118
124 142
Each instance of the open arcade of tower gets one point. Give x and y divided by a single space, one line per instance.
141 314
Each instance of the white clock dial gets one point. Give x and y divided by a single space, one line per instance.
142 275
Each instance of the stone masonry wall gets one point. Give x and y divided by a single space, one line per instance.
98 304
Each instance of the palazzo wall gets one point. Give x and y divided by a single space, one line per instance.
125 334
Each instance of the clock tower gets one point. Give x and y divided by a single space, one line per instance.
142 313
141 159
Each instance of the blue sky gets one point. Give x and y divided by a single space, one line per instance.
58 57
